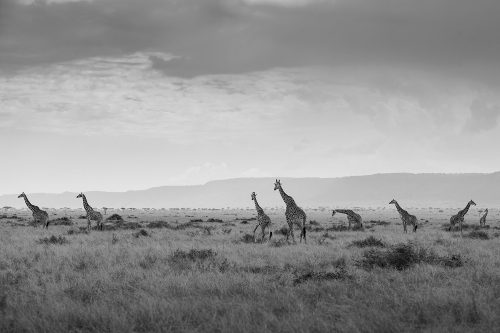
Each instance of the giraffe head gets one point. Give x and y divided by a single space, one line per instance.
277 184
333 212
254 196
472 203
79 195
393 202
22 195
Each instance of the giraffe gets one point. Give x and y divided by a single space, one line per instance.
459 217
91 213
39 216
352 217
262 219
406 217
293 213
482 220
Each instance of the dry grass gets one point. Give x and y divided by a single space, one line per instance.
176 276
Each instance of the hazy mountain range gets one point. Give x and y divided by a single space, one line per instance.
412 190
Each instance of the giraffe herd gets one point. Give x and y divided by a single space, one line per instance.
295 216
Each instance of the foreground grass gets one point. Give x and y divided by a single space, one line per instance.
190 280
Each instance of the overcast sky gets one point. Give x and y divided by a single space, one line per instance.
125 94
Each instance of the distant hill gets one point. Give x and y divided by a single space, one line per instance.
412 190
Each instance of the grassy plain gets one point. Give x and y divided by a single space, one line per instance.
163 271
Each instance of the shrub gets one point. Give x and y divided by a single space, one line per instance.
157 225
477 234
247 238
140 233
196 220
403 256
368 242
378 222
115 218
203 259
244 222
340 274
58 240
215 220
61 221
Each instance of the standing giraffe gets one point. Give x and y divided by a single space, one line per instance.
482 220
39 215
406 217
459 217
91 213
352 217
294 214
262 219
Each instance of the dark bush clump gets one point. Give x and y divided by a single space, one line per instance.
61 221
244 222
203 259
247 238
58 240
215 220
340 274
368 242
140 233
403 256
115 218
477 234
378 222
158 225
196 220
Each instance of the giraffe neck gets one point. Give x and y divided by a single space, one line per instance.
399 208
344 211
286 198
28 203
257 206
86 205
465 210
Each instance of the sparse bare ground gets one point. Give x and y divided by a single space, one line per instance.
167 271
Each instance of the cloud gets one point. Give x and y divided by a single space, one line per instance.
200 174
483 116
452 37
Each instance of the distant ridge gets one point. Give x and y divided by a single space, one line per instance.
414 190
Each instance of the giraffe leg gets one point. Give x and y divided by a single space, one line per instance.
304 231
88 224
254 231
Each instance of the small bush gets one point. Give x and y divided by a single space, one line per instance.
196 220
141 233
368 242
247 238
378 222
58 240
158 225
61 221
314 222
244 222
115 218
203 259
215 220
283 231
403 256
477 234
340 274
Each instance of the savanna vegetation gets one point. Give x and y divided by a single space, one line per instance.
201 271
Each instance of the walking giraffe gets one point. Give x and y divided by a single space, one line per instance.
262 219
39 216
406 217
352 217
293 213
482 220
459 217
91 213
